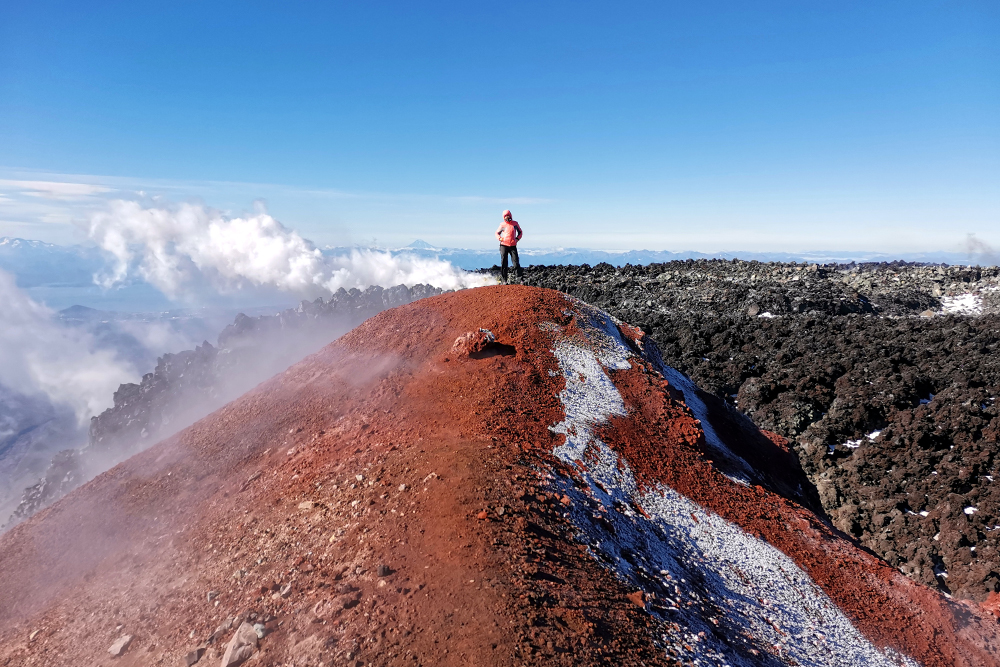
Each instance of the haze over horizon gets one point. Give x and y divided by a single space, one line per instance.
771 127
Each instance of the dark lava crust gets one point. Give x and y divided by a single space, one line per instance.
845 355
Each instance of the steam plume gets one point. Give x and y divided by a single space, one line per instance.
175 247
978 248
40 356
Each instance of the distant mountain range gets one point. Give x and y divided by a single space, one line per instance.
36 263
477 259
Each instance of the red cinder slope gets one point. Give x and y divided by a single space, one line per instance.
545 493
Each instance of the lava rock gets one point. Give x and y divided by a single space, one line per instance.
241 646
120 646
194 656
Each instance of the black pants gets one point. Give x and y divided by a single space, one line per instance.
506 250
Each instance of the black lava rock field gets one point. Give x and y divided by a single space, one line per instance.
884 377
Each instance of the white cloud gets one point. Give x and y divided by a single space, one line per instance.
58 190
38 355
185 246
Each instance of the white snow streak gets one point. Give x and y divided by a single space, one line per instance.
590 397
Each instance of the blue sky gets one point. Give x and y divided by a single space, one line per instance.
706 126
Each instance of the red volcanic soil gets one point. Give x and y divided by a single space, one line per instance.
388 501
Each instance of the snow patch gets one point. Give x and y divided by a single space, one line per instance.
736 599
854 444
962 304
590 398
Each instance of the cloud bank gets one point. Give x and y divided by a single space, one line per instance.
40 356
188 245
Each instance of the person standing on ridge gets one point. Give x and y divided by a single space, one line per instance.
509 233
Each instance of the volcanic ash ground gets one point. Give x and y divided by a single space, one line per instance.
497 476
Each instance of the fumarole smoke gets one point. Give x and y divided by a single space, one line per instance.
53 379
186 245
979 250
40 356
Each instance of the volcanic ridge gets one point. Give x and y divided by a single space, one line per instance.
884 378
504 476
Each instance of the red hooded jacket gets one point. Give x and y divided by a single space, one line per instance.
509 233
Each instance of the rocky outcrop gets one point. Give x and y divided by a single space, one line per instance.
32 431
889 400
